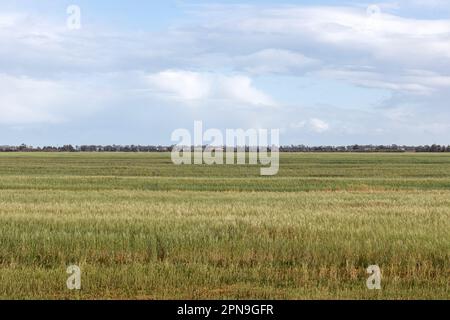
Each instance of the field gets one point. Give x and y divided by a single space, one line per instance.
140 227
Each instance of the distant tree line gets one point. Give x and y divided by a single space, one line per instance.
291 148
367 148
85 148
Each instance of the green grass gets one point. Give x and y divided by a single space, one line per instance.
140 227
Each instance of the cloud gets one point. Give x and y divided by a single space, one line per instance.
252 40
183 85
231 58
426 3
26 100
337 37
275 61
197 87
319 126
313 125
417 82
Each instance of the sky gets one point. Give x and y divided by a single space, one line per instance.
323 72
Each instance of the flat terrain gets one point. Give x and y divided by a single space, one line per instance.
140 227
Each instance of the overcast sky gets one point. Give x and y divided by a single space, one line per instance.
323 72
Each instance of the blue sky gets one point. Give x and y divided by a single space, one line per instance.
323 72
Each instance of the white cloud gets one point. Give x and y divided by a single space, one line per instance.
426 3
184 85
314 125
51 75
269 61
339 36
319 126
197 87
9 20
241 90
25 100
418 82
255 40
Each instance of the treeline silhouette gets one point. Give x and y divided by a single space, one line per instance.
291 148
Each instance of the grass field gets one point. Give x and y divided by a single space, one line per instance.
140 227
